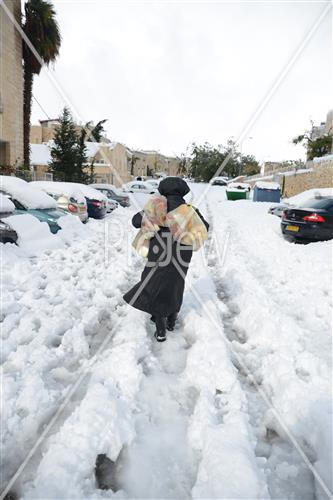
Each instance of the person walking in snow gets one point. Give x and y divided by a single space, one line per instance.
169 232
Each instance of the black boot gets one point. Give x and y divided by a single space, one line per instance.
160 334
171 321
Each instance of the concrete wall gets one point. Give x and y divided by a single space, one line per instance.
11 87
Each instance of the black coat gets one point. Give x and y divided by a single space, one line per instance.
161 288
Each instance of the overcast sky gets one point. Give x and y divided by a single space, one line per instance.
166 74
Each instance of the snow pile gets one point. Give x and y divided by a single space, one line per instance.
33 236
267 185
29 197
310 193
56 313
220 410
6 205
281 297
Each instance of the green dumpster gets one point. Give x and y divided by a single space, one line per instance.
238 191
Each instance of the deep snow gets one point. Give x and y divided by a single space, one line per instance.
191 418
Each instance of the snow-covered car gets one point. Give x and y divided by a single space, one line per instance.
96 201
112 193
111 205
152 182
139 187
30 200
67 196
278 209
7 233
219 181
311 220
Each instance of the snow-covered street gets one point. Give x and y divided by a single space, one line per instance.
235 405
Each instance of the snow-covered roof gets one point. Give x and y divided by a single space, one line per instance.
267 185
6 206
40 154
92 148
60 188
30 197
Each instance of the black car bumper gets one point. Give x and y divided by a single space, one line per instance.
311 232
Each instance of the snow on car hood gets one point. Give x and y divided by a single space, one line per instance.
61 189
30 197
90 192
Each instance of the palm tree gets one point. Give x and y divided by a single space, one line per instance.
42 30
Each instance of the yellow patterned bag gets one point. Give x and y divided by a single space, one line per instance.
184 223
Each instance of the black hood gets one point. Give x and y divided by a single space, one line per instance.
173 186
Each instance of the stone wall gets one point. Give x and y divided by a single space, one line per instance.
320 177
11 87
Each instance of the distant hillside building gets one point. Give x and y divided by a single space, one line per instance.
149 163
324 128
11 87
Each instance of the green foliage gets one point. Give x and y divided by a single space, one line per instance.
183 165
208 161
315 148
97 132
250 166
69 151
41 29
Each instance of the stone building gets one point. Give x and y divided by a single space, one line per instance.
44 132
11 87
110 160
324 128
149 163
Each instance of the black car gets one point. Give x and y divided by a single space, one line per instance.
96 208
310 221
7 233
110 191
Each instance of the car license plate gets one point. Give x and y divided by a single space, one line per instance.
293 228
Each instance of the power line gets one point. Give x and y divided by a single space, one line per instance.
41 107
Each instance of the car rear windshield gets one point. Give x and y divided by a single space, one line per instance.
320 203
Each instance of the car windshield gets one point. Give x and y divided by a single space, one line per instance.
320 203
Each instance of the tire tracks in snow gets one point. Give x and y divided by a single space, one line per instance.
287 475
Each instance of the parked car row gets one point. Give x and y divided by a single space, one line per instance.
48 201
